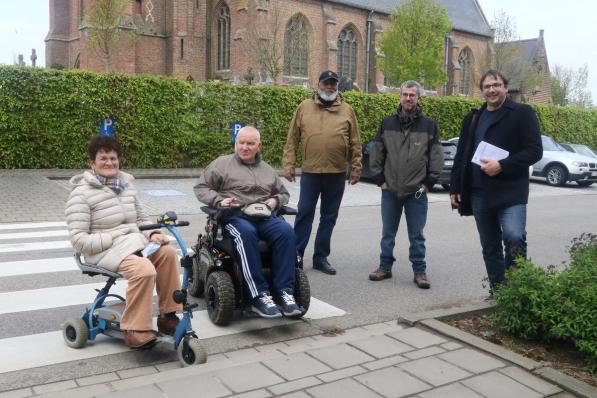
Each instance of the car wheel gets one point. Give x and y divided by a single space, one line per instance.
584 183
556 175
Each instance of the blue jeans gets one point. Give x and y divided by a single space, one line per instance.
415 210
279 234
330 186
496 225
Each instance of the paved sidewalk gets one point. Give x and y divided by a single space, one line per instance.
379 360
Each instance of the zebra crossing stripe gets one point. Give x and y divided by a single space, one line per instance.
33 225
31 267
36 235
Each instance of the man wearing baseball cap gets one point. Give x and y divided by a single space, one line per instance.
325 131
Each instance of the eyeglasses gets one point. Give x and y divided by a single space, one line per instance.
408 95
494 85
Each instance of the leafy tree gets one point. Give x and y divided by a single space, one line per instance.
569 87
105 19
413 44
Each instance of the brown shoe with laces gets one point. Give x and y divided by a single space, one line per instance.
139 338
167 323
380 274
421 281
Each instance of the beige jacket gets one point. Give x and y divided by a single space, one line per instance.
103 225
229 177
329 138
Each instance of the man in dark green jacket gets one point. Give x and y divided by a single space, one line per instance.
407 160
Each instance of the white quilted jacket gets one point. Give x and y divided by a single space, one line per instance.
103 225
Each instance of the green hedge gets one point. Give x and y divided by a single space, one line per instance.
545 304
48 116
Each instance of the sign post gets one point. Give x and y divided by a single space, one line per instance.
106 126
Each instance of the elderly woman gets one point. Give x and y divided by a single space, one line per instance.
103 214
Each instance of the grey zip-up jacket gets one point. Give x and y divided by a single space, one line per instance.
407 156
229 177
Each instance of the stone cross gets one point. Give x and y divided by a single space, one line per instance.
33 57
20 61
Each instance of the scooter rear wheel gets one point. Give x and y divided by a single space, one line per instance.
75 333
190 352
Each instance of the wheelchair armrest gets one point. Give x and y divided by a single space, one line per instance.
92 269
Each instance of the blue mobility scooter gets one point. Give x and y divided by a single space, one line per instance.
104 318
217 272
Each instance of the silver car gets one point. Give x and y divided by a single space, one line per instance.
559 166
580 149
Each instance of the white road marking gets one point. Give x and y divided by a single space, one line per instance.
33 225
31 235
34 246
30 267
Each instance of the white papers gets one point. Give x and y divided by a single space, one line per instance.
151 248
488 152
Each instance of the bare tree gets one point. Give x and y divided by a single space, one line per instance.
508 56
569 87
105 20
263 42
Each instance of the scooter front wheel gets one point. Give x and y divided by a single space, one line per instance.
190 352
75 332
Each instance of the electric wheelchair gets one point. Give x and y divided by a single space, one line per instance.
218 275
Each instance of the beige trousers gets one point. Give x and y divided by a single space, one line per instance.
142 273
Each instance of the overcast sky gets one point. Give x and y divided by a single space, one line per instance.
570 29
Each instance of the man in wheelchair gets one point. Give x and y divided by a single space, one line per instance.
252 190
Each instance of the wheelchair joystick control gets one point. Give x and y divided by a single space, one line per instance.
179 296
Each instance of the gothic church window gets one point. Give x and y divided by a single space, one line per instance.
223 14
296 47
464 60
347 54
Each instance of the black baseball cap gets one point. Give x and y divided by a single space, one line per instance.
328 75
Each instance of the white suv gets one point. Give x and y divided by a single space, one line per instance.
558 165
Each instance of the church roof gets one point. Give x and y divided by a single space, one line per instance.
525 55
466 15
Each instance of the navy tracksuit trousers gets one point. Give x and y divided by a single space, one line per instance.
246 234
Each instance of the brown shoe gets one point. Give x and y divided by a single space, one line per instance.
139 338
167 323
380 274
421 281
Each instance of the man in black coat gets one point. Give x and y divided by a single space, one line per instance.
496 190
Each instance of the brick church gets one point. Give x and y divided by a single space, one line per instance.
222 39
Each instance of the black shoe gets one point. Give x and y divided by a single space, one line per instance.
324 266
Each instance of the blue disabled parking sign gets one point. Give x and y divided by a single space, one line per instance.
235 128
106 126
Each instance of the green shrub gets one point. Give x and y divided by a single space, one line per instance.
542 304
47 116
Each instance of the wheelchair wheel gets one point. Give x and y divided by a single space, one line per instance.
190 352
201 263
219 297
75 333
302 291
